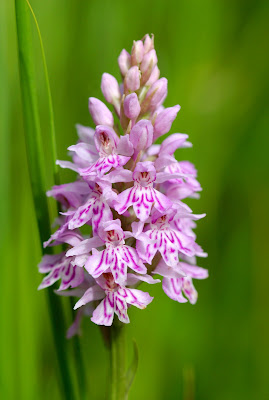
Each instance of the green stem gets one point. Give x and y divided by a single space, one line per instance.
117 362
36 166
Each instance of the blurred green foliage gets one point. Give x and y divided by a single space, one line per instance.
215 55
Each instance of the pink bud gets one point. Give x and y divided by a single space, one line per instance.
157 93
101 115
110 88
131 106
164 121
124 61
154 76
141 135
137 52
148 43
132 79
149 61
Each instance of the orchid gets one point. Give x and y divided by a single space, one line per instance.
123 220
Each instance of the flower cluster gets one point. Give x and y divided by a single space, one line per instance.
128 197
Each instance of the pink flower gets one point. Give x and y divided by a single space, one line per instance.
142 195
60 267
116 257
116 300
107 145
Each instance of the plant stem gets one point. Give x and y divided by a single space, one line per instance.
117 362
36 167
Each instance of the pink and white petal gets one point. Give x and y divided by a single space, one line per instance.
81 260
71 275
68 165
93 293
168 272
122 175
173 289
118 267
50 279
130 256
98 263
135 297
137 228
189 290
193 271
144 201
146 251
104 313
125 147
166 176
173 142
162 202
49 261
101 214
85 246
121 309
164 161
85 134
82 215
124 200
85 151
133 279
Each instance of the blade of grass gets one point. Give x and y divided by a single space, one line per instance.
76 344
50 106
36 169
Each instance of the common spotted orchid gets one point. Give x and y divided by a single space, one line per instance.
123 220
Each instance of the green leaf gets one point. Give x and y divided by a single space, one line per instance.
36 165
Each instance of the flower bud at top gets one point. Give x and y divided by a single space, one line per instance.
141 135
101 115
164 121
156 94
137 52
131 106
154 76
132 79
148 43
149 61
124 61
110 88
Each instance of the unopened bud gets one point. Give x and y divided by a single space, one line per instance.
154 76
147 65
149 60
137 52
132 79
110 88
164 121
131 106
124 61
156 95
101 115
141 135
148 43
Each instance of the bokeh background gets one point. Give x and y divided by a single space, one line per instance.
215 55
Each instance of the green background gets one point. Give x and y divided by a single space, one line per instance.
215 55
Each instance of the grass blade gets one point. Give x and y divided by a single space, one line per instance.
36 168
75 341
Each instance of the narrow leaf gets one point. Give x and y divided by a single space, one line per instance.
36 166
